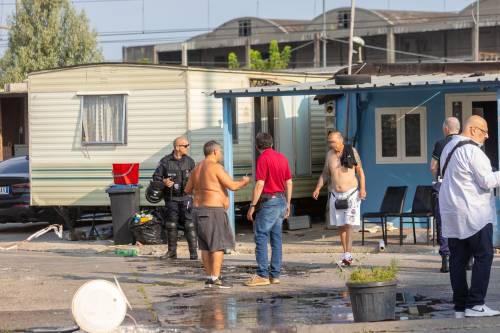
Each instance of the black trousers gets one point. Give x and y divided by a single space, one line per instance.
178 213
480 246
175 215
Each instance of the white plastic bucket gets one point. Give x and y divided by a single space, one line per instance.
99 306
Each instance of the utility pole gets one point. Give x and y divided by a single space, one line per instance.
476 34
208 14
323 34
351 35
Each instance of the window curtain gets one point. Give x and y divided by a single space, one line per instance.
103 119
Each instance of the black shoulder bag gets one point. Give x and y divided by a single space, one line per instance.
458 145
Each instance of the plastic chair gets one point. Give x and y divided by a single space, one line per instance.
392 205
421 208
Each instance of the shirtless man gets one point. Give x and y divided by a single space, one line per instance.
341 167
209 183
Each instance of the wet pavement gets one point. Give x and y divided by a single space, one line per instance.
37 286
213 309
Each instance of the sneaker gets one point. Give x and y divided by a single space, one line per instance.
256 281
209 283
274 280
481 311
221 284
459 314
346 261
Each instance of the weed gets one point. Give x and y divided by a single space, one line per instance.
375 274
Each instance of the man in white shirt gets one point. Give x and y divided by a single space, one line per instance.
468 212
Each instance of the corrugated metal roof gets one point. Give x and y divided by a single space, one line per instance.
377 82
291 25
411 17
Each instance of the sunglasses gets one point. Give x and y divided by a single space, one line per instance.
185 146
482 130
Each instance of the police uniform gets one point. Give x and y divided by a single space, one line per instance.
178 205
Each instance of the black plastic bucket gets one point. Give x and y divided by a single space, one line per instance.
373 301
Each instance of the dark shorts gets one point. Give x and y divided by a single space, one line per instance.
214 231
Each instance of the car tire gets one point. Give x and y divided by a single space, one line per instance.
347 80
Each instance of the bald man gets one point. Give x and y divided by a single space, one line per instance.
174 170
451 127
343 173
209 183
468 212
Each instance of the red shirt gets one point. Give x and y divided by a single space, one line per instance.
272 168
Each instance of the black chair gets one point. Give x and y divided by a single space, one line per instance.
421 208
392 205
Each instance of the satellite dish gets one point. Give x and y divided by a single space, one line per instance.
99 306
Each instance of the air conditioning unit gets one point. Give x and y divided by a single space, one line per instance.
329 116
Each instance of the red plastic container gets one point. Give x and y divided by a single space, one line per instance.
126 173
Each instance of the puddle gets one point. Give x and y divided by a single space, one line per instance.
210 309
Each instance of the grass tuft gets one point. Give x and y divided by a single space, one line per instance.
375 274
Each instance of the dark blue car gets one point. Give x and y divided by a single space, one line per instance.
15 193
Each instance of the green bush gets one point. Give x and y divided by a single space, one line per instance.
375 274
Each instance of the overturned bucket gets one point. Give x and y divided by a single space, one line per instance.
99 306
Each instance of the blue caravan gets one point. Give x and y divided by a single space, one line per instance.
394 120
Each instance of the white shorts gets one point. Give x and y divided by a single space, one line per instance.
352 215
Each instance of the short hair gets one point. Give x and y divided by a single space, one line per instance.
452 123
264 141
337 133
210 146
179 138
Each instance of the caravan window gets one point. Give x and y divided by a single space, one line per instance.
401 135
103 119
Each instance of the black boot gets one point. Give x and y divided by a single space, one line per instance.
192 242
445 266
172 244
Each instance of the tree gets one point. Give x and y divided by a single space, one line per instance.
47 34
232 61
277 60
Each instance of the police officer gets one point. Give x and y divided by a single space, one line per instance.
174 170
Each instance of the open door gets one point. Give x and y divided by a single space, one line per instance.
463 106
265 117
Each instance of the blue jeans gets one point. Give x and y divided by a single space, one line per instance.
267 225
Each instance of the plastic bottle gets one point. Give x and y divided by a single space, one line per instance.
126 252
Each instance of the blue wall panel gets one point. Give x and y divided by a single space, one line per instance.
379 176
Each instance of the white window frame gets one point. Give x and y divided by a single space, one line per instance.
401 158
124 94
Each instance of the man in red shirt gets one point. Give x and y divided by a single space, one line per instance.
273 193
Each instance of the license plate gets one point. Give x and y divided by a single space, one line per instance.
4 190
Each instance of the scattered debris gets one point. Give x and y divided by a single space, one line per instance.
371 230
57 228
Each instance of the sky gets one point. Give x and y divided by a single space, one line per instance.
134 22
